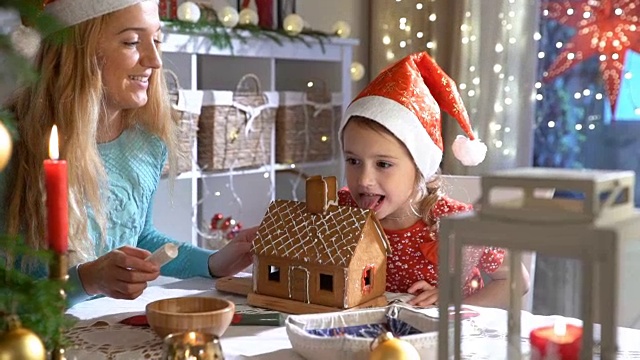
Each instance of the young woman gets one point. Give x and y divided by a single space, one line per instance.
103 87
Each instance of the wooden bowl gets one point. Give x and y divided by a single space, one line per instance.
202 314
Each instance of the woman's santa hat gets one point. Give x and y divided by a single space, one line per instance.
406 99
73 12
69 12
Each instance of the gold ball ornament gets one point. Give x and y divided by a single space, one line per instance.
248 17
356 71
388 347
189 12
342 29
5 146
293 24
20 343
228 16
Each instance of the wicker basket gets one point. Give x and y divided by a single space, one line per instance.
188 104
306 124
236 127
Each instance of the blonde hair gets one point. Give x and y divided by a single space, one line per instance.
69 93
428 191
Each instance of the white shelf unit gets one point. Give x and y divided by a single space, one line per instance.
195 196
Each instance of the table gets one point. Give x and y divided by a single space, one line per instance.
99 335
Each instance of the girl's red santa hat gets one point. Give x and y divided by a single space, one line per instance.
406 99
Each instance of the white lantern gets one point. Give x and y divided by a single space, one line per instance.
248 17
188 11
357 71
228 16
342 29
602 231
293 24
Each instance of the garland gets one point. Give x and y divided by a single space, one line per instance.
222 37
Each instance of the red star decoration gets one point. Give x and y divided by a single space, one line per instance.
607 28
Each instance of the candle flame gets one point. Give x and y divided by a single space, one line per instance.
191 338
54 152
560 328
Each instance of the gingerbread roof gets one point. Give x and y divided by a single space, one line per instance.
288 230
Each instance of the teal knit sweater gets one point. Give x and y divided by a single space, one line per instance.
133 163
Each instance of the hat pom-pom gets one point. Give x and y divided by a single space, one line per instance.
469 152
25 41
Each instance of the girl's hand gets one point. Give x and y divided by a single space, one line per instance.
235 256
121 274
426 294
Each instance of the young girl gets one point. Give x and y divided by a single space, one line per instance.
103 87
392 144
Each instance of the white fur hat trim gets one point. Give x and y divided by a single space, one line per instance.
72 12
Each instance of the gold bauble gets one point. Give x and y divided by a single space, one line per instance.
391 348
20 343
5 146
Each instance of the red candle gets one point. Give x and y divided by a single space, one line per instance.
55 179
560 341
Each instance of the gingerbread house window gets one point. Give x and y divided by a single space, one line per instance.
274 273
326 282
367 278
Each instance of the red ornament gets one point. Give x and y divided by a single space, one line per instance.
226 227
607 28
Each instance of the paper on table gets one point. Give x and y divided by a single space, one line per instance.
112 311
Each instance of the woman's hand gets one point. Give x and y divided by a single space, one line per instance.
427 294
121 274
235 256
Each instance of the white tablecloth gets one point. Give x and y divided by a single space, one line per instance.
99 335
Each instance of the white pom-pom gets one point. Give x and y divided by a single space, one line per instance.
25 41
469 152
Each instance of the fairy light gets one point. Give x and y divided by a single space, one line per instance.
598 96
386 40
419 34
537 36
499 48
462 86
586 92
551 124
497 68
628 75
578 127
592 126
577 96
433 17
541 55
539 97
538 85
508 101
419 6
403 44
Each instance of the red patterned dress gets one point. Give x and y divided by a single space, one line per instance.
414 251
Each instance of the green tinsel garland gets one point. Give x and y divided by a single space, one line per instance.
222 37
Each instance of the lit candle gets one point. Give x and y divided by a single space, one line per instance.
560 341
55 179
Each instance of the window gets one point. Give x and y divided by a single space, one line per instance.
367 278
274 273
326 282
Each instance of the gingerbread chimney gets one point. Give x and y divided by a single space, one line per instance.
321 193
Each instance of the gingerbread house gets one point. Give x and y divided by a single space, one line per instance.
316 256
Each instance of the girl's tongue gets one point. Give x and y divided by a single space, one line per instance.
370 201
